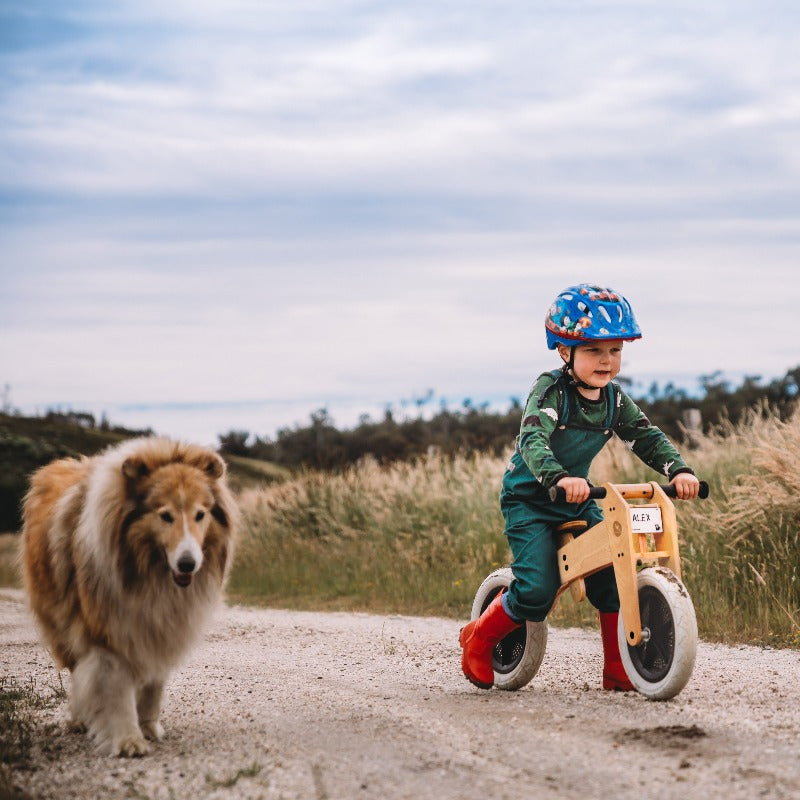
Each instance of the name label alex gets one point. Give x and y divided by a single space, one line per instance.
646 520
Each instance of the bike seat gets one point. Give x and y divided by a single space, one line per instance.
572 526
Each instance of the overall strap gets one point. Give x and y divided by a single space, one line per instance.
614 404
558 385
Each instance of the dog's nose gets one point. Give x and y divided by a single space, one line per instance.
186 564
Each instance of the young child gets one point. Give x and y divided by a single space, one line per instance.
569 416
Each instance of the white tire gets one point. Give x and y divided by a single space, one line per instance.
662 664
517 658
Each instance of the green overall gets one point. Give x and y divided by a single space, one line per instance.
561 433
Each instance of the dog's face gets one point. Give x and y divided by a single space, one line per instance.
175 509
181 504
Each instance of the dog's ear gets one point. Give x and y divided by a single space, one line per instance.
207 461
134 468
215 466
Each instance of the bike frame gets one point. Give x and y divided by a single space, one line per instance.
613 542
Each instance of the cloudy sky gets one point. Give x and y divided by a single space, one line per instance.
225 215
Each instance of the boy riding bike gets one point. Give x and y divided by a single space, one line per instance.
569 416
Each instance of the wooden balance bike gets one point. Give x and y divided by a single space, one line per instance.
657 626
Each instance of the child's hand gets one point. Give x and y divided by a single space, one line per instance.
686 486
575 489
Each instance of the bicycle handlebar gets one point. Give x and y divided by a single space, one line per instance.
557 493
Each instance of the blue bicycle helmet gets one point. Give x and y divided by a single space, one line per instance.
586 313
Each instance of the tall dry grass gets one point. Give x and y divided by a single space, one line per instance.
747 536
10 573
411 538
419 538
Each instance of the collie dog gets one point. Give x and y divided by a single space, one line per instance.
125 555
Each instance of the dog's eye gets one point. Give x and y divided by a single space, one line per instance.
167 517
199 515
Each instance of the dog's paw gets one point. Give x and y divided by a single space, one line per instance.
126 744
131 746
152 729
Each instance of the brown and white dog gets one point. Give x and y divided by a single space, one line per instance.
125 555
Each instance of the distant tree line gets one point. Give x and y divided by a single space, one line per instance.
320 444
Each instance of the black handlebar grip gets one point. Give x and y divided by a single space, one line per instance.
669 490
557 493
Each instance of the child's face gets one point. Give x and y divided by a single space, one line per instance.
597 363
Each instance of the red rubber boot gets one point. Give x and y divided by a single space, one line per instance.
614 675
478 639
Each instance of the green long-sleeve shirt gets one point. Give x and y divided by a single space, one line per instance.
539 422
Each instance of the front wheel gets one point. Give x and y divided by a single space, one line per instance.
662 664
517 658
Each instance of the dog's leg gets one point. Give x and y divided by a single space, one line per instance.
148 704
76 724
104 699
76 713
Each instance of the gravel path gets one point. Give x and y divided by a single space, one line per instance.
285 704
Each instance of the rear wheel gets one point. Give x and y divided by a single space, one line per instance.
662 664
517 658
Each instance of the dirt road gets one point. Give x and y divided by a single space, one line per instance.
281 704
